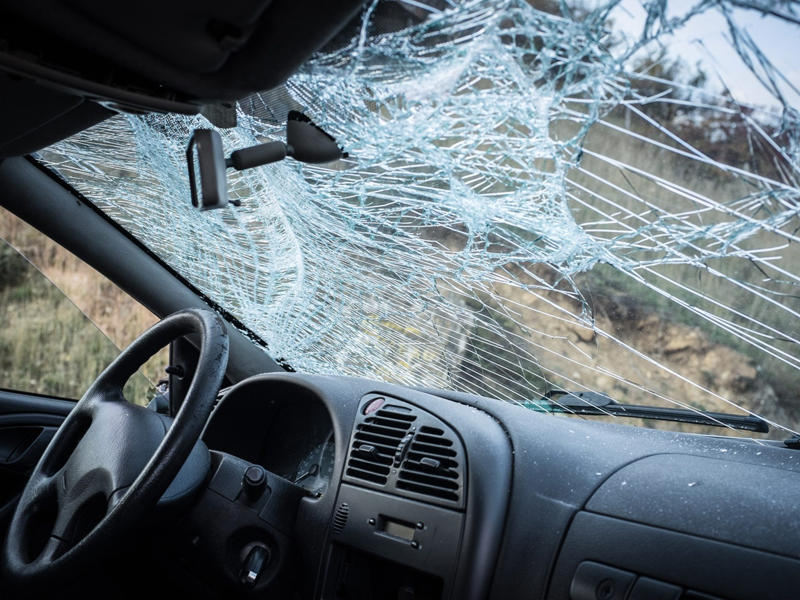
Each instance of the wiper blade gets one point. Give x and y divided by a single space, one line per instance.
595 403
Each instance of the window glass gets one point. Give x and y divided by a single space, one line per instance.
63 322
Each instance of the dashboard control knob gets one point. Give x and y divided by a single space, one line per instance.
254 481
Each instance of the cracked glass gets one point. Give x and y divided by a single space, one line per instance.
541 195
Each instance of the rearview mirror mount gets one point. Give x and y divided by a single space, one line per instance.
205 158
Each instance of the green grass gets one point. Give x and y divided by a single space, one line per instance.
604 284
47 345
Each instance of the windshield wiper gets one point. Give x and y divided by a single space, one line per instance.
595 403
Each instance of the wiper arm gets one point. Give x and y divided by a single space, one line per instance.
595 403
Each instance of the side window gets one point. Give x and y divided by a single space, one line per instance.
62 322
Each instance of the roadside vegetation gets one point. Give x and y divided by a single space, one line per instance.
612 292
648 319
62 322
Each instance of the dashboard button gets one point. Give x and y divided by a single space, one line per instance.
650 589
593 581
374 405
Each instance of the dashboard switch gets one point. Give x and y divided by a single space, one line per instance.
374 405
254 481
594 581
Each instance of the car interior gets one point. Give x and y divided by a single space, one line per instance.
254 481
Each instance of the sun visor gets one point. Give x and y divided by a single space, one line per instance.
33 117
179 57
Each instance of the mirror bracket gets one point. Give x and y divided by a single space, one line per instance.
305 142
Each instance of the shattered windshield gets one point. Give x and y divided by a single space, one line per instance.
538 195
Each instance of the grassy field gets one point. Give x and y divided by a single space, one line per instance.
606 285
48 344
658 345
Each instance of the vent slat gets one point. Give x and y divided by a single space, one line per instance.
396 433
431 430
431 480
441 472
382 448
427 490
377 439
396 416
383 422
383 459
366 465
367 475
432 449
436 441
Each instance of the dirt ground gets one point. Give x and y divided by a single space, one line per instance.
651 360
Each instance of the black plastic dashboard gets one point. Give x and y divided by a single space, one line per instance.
410 493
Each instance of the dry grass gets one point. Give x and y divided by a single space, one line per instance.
603 283
57 337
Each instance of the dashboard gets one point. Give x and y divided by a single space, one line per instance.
382 491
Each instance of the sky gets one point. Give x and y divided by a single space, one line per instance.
705 38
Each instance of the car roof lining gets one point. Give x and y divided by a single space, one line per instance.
60 63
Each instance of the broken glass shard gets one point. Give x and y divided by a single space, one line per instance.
539 195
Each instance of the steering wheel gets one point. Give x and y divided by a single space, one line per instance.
111 461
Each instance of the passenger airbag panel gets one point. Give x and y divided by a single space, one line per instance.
704 497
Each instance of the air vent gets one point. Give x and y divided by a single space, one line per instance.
431 466
399 448
376 441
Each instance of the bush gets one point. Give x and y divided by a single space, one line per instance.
13 267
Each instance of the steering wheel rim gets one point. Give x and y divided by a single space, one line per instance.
108 450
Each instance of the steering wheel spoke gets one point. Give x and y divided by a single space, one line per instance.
110 461
54 547
64 518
